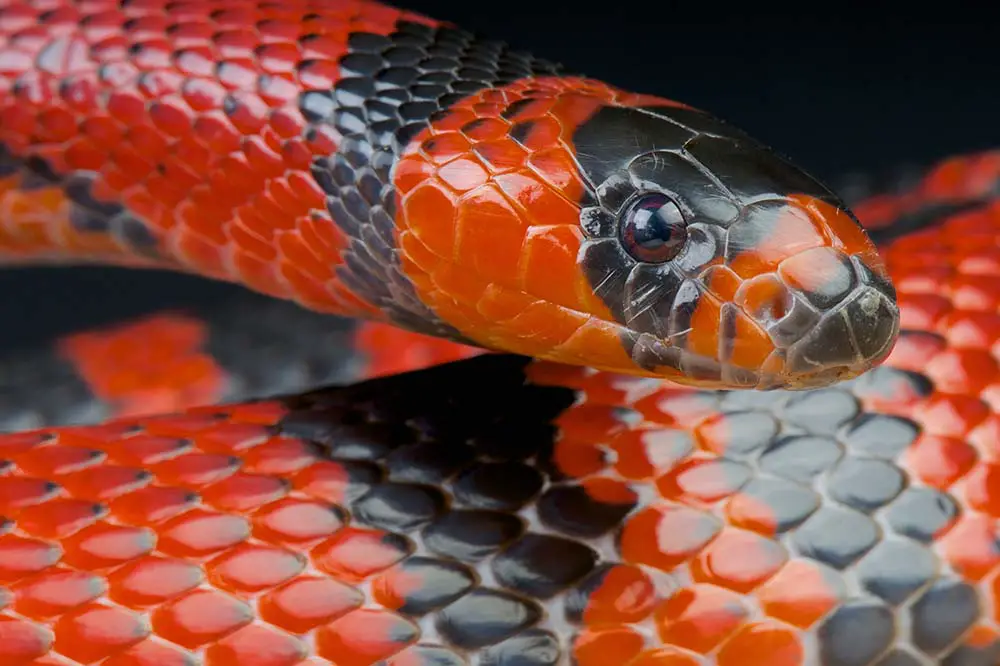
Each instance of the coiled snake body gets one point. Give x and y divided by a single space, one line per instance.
812 484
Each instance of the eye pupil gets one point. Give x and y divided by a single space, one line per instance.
653 229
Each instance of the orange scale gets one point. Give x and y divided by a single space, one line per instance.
951 415
485 129
21 557
763 643
297 521
320 235
982 488
257 645
194 470
664 657
201 533
536 327
444 146
625 595
55 459
104 482
104 545
94 632
229 437
962 371
974 222
252 568
682 408
294 249
592 645
979 261
151 505
195 156
981 636
975 293
557 168
56 125
167 189
365 637
488 109
296 155
986 436
489 235
200 254
254 413
971 330
280 195
969 546
262 157
180 425
235 172
172 116
447 129
703 480
922 312
699 617
802 593
905 262
200 617
58 518
196 60
85 154
241 491
309 292
125 106
307 602
463 174
152 580
739 560
128 158
20 444
257 274
150 652
644 454
304 188
543 133
575 459
589 423
912 352
500 156
54 592
355 554
278 58
318 74
429 213
928 281
939 461
664 536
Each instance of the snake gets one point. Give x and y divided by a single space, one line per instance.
671 400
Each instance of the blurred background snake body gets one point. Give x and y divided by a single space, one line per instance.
639 390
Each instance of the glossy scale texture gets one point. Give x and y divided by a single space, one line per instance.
500 510
504 511
364 161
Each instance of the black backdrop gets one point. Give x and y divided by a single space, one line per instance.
837 90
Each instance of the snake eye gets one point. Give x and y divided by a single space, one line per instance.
653 229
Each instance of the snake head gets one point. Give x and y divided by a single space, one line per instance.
568 220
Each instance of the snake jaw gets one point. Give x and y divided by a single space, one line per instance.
774 283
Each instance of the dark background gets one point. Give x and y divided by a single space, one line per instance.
838 91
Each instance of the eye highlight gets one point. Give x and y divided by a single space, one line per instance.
653 229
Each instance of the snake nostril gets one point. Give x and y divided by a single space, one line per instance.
765 299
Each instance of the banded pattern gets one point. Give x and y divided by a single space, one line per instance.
367 162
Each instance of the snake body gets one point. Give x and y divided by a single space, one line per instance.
554 501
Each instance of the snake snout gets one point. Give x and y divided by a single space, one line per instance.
829 315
